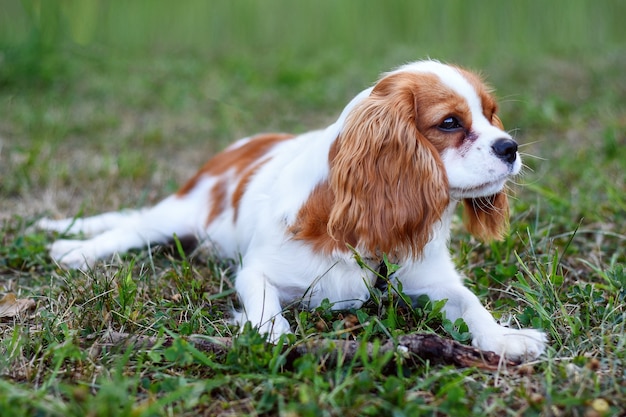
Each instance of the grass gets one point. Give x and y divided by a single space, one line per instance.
114 114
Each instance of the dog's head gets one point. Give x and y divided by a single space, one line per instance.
426 135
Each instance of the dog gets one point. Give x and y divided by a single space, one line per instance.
382 181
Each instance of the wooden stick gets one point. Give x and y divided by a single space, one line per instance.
414 349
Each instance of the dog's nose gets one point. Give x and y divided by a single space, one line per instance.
505 149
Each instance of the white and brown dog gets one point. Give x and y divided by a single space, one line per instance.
385 178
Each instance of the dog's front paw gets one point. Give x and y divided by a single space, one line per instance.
72 254
517 345
272 329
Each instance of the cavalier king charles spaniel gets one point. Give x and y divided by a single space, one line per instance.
383 180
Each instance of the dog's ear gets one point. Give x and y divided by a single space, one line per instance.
487 218
388 181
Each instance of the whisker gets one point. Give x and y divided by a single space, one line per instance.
512 197
519 183
513 98
524 170
485 204
530 155
525 183
521 145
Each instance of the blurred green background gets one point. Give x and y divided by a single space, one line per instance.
36 33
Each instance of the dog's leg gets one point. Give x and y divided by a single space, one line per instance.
174 215
440 281
487 334
260 304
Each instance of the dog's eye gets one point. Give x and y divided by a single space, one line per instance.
450 123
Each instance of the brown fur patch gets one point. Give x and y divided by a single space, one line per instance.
243 162
217 200
237 159
242 185
311 225
485 93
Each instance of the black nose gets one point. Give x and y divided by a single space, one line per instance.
505 149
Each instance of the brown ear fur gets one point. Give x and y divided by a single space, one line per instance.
487 218
388 181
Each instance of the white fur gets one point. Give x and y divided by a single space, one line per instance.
276 270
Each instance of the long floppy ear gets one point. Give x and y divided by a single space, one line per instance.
388 181
487 218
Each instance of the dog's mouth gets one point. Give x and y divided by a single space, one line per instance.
481 190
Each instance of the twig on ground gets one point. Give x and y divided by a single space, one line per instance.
413 348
